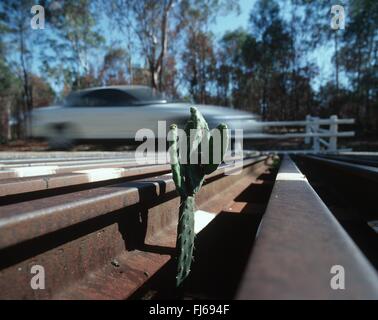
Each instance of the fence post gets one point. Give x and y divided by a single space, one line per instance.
308 129
315 130
333 129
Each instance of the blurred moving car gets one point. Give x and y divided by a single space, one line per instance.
116 113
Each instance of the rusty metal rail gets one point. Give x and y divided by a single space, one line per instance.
106 228
298 242
76 176
350 191
101 242
367 161
368 172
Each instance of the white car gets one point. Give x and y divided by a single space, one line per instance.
116 113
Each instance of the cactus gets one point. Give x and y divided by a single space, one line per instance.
189 178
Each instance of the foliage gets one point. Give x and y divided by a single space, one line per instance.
268 68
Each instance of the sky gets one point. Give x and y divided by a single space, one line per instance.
234 21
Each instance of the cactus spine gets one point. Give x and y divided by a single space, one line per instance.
189 178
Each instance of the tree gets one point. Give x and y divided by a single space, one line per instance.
150 22
231 69
267 55
6 81
157 25
199 62
19 34
359 58
114 67
43 94
354 58
72 38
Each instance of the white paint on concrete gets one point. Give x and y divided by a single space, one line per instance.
102 174
290 176
33 171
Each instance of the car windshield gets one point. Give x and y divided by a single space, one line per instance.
146 95
115 97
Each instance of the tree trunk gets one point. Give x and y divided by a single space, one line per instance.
28 94
164 45
337 64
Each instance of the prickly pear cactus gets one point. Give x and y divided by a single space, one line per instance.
189 176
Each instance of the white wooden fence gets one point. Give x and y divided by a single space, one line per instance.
322 139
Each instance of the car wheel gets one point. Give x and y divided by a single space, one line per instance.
59 138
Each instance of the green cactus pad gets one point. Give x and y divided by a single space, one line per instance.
185 238
189 177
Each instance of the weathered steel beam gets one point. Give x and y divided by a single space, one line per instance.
101 243
12 186
298 243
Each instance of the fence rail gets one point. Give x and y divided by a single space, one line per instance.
312 132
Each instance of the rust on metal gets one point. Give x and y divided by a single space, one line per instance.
100 243
30 184
298 242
